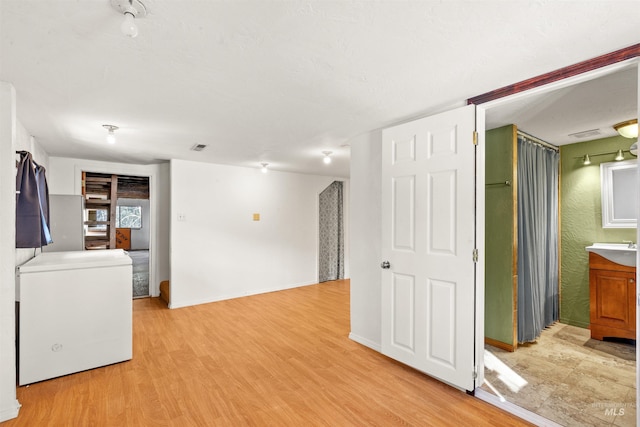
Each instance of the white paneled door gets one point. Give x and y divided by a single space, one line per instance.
428 245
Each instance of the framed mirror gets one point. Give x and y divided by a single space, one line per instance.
618 181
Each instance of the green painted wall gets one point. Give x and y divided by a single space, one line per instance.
581 222
499 229
581 225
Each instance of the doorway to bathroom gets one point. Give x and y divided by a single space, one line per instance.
563 375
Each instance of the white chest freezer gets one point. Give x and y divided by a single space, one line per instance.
74 313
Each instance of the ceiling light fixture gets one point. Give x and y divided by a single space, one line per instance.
327 157
628 129
131 9
264 167
128 26
586 160
619 156
111 137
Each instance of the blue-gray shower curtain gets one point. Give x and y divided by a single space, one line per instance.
538 295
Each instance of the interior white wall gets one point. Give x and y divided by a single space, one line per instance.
65 178
638 278
346 224
139 236
366 234
13 137
219 252
9 405
163 220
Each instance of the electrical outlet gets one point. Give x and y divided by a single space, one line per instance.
182 216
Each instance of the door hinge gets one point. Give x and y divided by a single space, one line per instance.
474 374
475 255
475 138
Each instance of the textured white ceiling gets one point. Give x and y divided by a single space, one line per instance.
276 81
565 115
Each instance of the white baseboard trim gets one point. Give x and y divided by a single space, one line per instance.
514 409
217 298
10 412
365 342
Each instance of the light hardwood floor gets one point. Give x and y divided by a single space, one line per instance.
282 358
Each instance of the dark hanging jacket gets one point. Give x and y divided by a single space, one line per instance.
32 204
43 197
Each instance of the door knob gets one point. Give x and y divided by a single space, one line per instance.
385 265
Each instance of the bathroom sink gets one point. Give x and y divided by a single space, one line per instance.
620 253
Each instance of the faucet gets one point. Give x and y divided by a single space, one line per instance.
631 244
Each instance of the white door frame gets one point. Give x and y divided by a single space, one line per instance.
154 288
481 110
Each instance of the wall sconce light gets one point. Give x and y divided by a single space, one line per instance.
111 137
131 9
634 149
628 129
619 155
327 158
264 167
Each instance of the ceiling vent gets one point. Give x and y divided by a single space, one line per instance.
198 147
586 134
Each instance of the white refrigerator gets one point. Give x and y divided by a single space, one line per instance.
66 221
74 313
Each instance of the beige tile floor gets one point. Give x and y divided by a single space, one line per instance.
568 378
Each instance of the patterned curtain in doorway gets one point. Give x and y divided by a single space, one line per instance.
331 251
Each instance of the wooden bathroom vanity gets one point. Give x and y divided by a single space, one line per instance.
612 290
